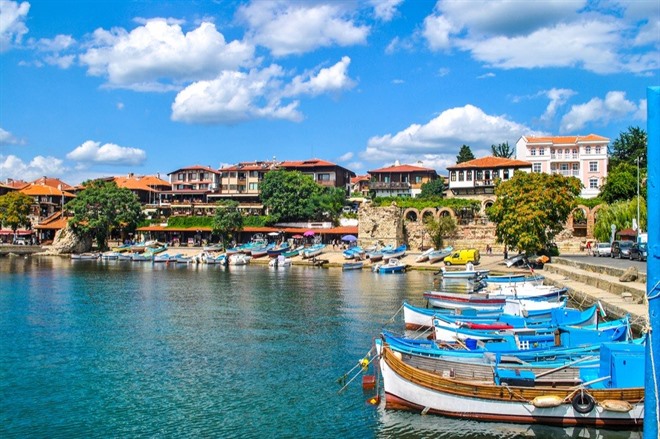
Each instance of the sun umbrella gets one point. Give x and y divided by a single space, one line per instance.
349 238
309 233
273 234
297 236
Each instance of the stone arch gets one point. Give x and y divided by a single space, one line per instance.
411 214
428 212
486 204
446 211
579 224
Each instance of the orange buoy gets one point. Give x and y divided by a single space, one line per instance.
374 400
368 382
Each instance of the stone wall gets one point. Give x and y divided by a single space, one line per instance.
393 225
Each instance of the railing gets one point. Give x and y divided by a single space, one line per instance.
566 172
389 185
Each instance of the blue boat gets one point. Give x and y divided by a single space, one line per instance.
346 266
278 250
393 265
398 252
353 252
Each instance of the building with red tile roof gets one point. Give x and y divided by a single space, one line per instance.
360 185
584 157
476 178
49 194
400 180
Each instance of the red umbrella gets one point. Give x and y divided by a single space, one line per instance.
297 236
309 233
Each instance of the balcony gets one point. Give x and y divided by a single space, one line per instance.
380 185
566 172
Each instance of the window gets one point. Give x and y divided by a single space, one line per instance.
468 175
587 149
593 183
541 151
461 176
180 176
324 177
254 186
536 167
254 174
480 175
598 150
593 166
505 174
418 179
532 151
575 153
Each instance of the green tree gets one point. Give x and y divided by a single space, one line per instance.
439 229
101 207
15 210
621 183
291 195
433 189
464 155
628 147
228 219
502 150
531 209
620 214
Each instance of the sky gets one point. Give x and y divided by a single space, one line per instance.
102 88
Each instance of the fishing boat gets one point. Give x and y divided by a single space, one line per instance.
110 255
293 252
486 301
463 274
239 259
346 266
516 313
278 250
313 251
614 398
279 261
376 254
398 253
259 252
440 255
85 256
424 256
543 336
180 259
355 252
393 265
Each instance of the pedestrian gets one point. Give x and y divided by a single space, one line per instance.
506 253
589 248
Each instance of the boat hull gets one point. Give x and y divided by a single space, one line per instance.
408 388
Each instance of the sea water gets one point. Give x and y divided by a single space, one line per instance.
122 349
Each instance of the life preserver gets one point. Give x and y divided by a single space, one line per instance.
583 403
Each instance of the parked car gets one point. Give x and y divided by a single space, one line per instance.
621 249
638 251
20 241
462 257
602 249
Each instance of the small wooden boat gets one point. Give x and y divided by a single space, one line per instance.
393 265
424 256
278 250
346 266
354 253
293 252
279 261
463 274
111 255
313 251
376 255
398 253
616 400
440 255
85 256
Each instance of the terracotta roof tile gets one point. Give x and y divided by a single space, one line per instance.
566 140
491 162
402 168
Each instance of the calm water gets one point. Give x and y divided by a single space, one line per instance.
120 349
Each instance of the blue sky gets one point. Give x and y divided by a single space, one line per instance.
100 88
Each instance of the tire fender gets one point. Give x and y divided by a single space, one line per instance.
583 403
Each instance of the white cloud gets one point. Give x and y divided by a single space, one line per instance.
91 152
12 23
287 28
7 138
234 97
615 106
345 157
547 34
440 138
385 9
13 167
160 56
330 79
558 97
486 75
